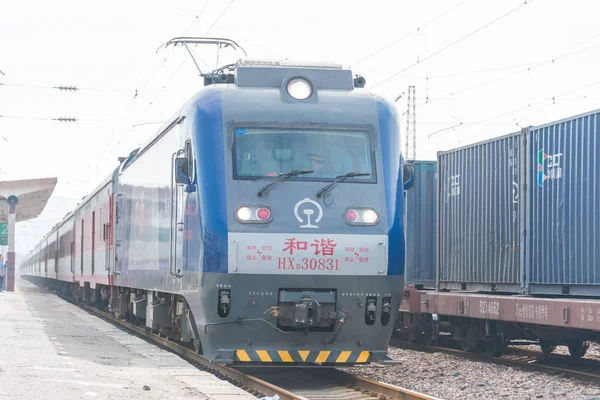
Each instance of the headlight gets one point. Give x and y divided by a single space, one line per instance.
253 214
244 213
361 216
369 216
299 89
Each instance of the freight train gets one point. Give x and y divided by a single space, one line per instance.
508 250
262 224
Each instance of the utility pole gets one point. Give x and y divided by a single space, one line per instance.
410 152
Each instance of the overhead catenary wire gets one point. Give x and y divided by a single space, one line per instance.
528 68
65 88
151 102
59 119
526 2
410 33
194 20
493 69
175 6
137 92
219 18
552 99
185 59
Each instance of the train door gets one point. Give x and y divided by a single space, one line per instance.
82 229
56 247
179 180
105 218
71 237
45 259
93 239
119 231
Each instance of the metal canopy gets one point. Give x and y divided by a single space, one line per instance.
33 196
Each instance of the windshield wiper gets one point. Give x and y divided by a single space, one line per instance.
280 178
339 179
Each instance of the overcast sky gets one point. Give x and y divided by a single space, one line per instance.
484 67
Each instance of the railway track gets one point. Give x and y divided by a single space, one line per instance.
554 363
289 383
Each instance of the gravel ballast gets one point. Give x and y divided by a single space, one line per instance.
592 353
452 377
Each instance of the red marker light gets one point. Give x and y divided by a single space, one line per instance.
263 214
351 215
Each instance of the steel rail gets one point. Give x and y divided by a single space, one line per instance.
523 358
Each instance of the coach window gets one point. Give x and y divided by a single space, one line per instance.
190 158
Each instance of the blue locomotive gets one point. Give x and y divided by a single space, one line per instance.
263 223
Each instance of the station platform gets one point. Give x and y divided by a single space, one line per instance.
51 349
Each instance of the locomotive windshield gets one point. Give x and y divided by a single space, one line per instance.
262 152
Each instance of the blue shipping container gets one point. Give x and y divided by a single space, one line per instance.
563 207
479 227
420 225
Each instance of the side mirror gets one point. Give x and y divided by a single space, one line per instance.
408 176
181 171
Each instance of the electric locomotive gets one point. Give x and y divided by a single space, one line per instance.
264 221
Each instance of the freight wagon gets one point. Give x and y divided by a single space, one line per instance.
517 233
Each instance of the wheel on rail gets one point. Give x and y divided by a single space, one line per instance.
197 346
578 348
494 346
472 337
547 348
431 330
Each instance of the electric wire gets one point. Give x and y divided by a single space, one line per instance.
526 2
531 67
553 99
410 33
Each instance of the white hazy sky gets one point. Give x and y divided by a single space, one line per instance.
518 63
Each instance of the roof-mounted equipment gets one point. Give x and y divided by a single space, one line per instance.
218 75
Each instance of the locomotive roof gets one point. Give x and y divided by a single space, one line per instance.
269 73
249 62
273 74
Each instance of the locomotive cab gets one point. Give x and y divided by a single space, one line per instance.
263 222
300 215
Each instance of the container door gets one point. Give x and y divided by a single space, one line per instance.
479 226
563 221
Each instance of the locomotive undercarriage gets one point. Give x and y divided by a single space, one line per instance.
305 326
165 314
169 316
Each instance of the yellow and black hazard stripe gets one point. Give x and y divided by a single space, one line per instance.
303 356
